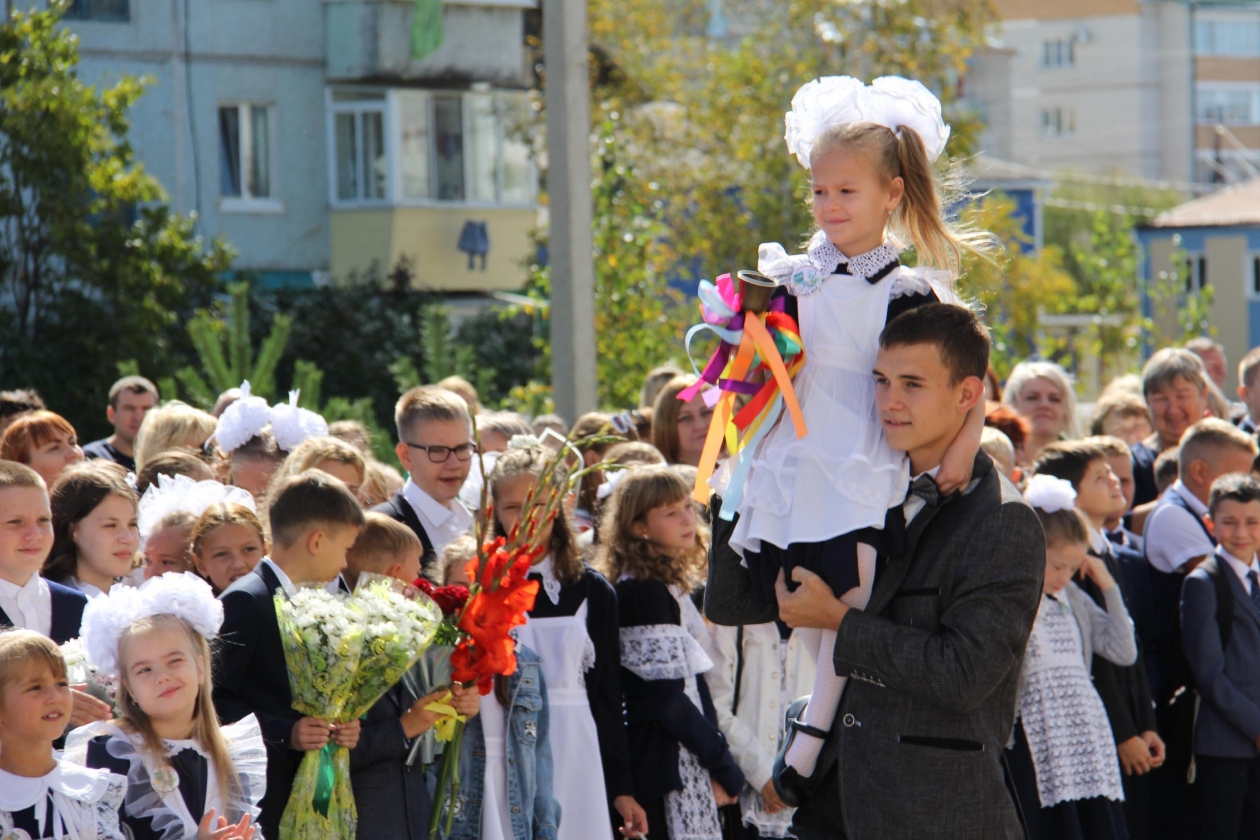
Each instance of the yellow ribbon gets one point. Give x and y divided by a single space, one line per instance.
444 726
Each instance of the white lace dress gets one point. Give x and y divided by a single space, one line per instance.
673 652
71 802
842 476
1068 732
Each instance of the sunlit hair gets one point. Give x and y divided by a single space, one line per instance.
172 426
13 474
1119 402
382 542
918 221
31 431
220 514
621 552
654 381
429 404
592 423
77 492
349 430
665 416
171 463
206 731
380 483
310 453
566 560
1063 527
456 555
1026 372
20 650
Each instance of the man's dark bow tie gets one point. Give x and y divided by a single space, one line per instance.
1117 537
925 488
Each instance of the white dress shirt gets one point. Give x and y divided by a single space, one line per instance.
443 524
1240 568
28 607
1174 536
285 583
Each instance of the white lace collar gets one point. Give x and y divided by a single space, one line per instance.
79 784
872 266
547 572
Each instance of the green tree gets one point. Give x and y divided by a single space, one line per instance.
94 268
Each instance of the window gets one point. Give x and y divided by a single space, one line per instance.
1255 275
103 10
1239 37
1225 103
411 147
1196 273
245 151
1059 52
1058 122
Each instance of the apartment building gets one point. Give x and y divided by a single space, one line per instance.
1159 89
309 137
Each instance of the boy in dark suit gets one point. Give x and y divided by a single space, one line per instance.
28 601
314 521
1225 657
390 791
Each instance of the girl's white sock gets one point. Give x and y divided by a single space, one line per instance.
825 699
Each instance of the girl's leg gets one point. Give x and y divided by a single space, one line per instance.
825 699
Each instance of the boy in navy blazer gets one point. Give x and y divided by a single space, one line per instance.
314 520
28 601
1224 656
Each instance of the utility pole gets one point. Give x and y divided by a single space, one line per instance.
569 250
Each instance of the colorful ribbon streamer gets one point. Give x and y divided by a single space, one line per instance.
326 779
753 347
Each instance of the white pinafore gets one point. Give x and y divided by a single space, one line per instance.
567 653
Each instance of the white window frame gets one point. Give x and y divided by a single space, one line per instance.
1066 122
1198 268
392 109
1215 21
1252 88
247 203
1065 48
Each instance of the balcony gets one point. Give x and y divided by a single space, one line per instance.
370 41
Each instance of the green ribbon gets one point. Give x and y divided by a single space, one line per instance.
324 779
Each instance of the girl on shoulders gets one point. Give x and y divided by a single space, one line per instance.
42 795
573 627
187 776
654 549
1063 759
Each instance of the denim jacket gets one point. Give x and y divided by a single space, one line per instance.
535 812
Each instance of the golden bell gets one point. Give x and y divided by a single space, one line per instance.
755 290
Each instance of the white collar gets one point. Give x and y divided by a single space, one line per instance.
826 257
1184 492
34 586
89 590
546 570
430 508
1240 567
932 473
285 583
1098 541
81 784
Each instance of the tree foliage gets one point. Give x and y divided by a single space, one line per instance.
94 268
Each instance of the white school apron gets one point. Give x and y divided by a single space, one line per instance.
567 652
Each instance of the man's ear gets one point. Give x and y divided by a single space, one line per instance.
109 413
970 393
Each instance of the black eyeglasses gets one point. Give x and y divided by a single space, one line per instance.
438 454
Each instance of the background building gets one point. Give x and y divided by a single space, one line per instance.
307 135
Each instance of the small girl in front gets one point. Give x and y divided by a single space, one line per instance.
652 547
227 544
830 501
1063 759
187 776
96 534
40 794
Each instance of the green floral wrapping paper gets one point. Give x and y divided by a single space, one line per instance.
343 654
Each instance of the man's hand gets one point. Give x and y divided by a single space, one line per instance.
719 793
310 734
1156 746
85 709
1135 756
347 734
771 796
633 816
813 604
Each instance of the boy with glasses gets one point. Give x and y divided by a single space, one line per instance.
435 447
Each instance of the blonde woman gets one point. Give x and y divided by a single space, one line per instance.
175 425
1042 393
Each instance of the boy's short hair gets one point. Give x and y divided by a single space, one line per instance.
462 388
506 423
1167 468
132 385
1249 367
1112 446
380 540
1166 365
955 330
13 474
1208 437
20 402
457 552
309 499
1068 460
428 403
1236 487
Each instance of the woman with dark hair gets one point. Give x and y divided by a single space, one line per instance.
95 528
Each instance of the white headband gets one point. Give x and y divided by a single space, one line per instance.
291 425
171 493
107 617
1050 494
890 101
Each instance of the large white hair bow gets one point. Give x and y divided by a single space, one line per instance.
291 425
107 617
1050 494
171 493
890 101
242 420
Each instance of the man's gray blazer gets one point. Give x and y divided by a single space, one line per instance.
933 663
